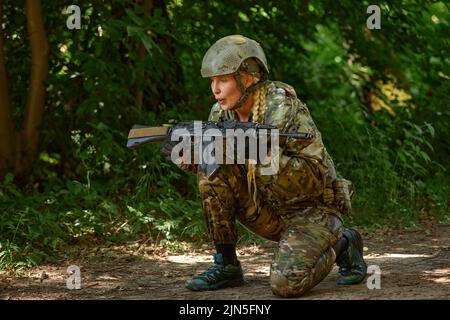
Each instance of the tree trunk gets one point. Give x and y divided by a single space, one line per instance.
18 149
6 121
29 137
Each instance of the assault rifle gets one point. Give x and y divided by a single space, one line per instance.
140 135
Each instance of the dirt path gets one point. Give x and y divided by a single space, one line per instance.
414 265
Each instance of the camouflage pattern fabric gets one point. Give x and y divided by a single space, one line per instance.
304 256
226 199
297 207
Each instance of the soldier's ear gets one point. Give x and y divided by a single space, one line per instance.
247 79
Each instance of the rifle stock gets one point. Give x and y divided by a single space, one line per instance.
140 135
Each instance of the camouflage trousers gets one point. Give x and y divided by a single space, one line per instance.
304 256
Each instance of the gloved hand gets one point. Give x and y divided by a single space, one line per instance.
168 145
184 163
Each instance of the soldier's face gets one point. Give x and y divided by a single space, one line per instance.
226 91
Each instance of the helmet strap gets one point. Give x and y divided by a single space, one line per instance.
237 77
246 92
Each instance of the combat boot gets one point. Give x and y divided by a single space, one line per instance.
217 276
352 267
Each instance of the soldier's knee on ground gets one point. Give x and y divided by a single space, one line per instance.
295 278
282 286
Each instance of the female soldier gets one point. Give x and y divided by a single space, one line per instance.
300 206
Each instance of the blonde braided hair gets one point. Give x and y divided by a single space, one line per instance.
259 104
258 112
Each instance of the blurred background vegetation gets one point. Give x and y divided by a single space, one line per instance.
379 97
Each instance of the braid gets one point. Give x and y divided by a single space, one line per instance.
259 105
258 110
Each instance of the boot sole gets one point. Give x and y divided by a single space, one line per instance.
220 285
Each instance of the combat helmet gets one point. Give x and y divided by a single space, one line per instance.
233 54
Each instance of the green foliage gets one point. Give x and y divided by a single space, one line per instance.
125 66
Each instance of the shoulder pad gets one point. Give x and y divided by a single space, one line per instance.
289 90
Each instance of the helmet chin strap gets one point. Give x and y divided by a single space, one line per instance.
246 92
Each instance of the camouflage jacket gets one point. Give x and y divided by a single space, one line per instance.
306 172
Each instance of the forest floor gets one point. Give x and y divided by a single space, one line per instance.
413 265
